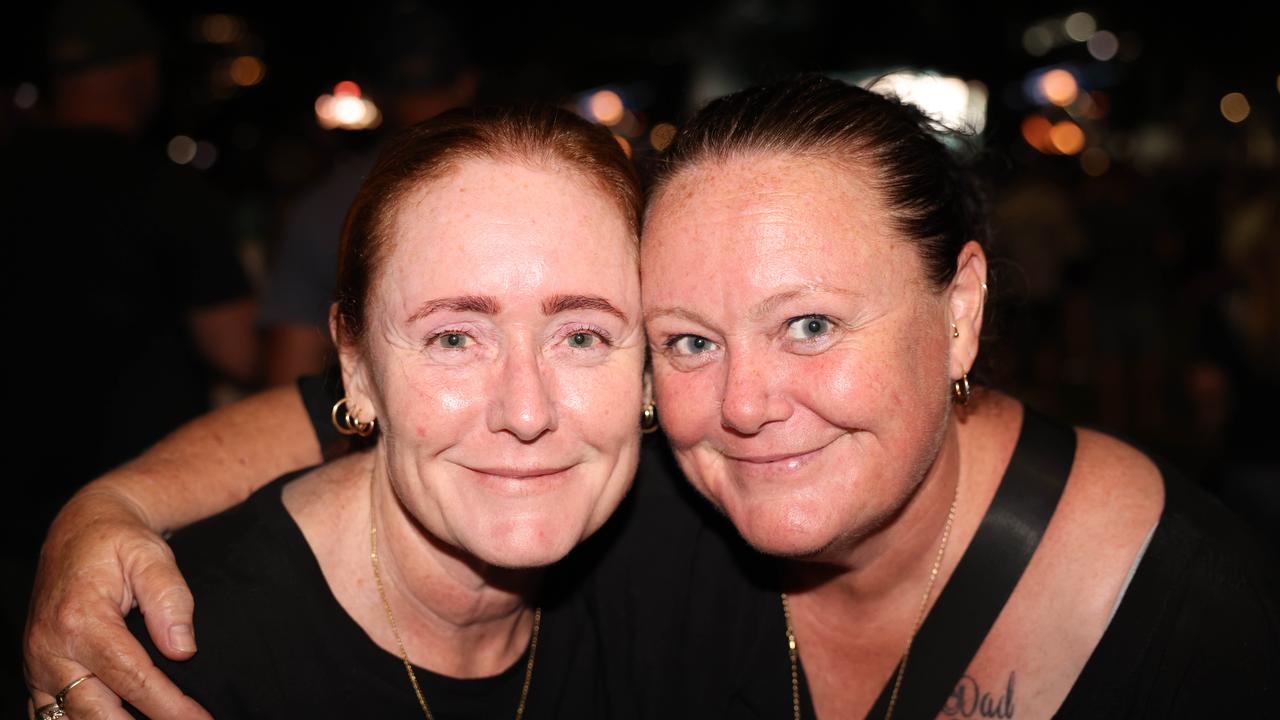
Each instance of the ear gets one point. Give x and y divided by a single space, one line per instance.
356 380
966 298
647 379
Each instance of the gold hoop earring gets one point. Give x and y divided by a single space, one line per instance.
349 425
960 390
649 418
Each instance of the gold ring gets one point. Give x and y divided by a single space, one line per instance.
61 698
49 712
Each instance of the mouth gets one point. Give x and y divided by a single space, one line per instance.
777 463
520 473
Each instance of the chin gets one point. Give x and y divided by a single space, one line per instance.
527 542
787 530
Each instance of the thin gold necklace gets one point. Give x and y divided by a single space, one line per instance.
793 650
395 630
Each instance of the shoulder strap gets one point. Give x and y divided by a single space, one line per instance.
987 573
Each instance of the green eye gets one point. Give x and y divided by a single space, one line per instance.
808 327
453 341
691 345
581 340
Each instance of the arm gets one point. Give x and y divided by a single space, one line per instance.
103 554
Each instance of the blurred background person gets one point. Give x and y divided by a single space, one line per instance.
134 301
423 70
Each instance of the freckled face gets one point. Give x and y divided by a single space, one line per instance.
800 355
504 360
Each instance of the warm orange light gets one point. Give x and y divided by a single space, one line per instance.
1059 86
1035 130
1067 137
346 87
606 107
626 146
661 136
247 70
1234 106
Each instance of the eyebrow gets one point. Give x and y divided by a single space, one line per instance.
761 309
483 304
487 305
768 305
560 303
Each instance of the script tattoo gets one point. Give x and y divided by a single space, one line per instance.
968 700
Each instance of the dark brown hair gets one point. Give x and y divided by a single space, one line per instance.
933 200
540 135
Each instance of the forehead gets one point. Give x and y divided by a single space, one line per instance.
498 226
782 218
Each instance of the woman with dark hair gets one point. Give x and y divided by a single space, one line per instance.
814 286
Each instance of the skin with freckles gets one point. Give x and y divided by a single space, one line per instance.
820 355
503 360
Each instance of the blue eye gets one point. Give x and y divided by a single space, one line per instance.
452 341
808 327
690 344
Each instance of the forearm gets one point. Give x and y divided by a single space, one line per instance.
215 461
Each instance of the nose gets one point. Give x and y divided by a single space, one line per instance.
522 403
750 400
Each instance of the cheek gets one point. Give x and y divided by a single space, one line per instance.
688 404
434 406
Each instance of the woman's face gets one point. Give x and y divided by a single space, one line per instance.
503 360
802 361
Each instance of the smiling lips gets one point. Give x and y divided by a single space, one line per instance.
774 464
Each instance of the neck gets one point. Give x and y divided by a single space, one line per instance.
456 614
890 565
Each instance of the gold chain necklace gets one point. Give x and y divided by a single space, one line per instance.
793 650
395 630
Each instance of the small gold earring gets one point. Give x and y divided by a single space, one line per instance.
348 424
960 390
649 418
955 331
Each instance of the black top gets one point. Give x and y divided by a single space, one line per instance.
274 642
691 618
675 617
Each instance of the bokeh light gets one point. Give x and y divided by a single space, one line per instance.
346 110
606 107
247 71
661 136
182 149
1066 137
205 156
25 96
1095 162
1035 130
1059 87
1235 107
1080 26
1103 45
1037 40
956 104
624 144
221 29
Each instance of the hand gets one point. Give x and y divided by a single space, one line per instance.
99 556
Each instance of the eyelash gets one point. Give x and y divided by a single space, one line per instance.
594 330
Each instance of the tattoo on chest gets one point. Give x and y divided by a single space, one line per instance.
970 700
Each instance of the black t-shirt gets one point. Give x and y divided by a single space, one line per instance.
274 642
692 624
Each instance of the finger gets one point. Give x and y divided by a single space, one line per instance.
90 700
166 605
115 656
